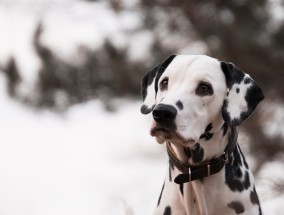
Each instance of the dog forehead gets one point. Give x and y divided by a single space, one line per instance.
197 66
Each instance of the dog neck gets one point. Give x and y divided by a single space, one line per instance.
209 146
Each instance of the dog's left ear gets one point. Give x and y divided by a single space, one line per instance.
243 95
149 86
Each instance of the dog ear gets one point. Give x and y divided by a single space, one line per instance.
149 86
243 95
148 91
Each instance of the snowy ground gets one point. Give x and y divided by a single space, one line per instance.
84 162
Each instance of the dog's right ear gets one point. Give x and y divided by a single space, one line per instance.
150 85
148 91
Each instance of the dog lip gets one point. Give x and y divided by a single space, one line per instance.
169 134
158 129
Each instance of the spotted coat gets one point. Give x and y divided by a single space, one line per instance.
197 102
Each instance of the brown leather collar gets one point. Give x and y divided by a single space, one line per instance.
191 173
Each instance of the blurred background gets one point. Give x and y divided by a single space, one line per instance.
73 140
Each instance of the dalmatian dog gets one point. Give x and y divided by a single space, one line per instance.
196 104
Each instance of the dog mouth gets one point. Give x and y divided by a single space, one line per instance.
155 131
164 134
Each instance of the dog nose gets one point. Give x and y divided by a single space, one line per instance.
164 113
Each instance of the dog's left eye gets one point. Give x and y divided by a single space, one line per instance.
204 89
164 83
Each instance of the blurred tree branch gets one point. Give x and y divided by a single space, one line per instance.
13 77
103 73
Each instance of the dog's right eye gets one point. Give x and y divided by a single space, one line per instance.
164 84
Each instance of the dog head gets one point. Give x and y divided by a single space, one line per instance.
189 94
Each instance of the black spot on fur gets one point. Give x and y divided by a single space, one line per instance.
237 207
239 173
167 211
238 121
237 90
159 200
253 96
181 188
244 160
187 152
179 105
225 128
232 74
247 80
197 153
246 181
225 113
208 127
147 81
253 197
145 110
259 210
234 177
171 167
207 135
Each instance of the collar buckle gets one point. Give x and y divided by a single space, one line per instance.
224 155
189 174
208 170
226 160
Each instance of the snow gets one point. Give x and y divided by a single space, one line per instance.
84 162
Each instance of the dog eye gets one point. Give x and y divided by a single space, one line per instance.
204 89
164 83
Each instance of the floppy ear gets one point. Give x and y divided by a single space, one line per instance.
150 85
243 95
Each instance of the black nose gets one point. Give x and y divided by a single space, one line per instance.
164 113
